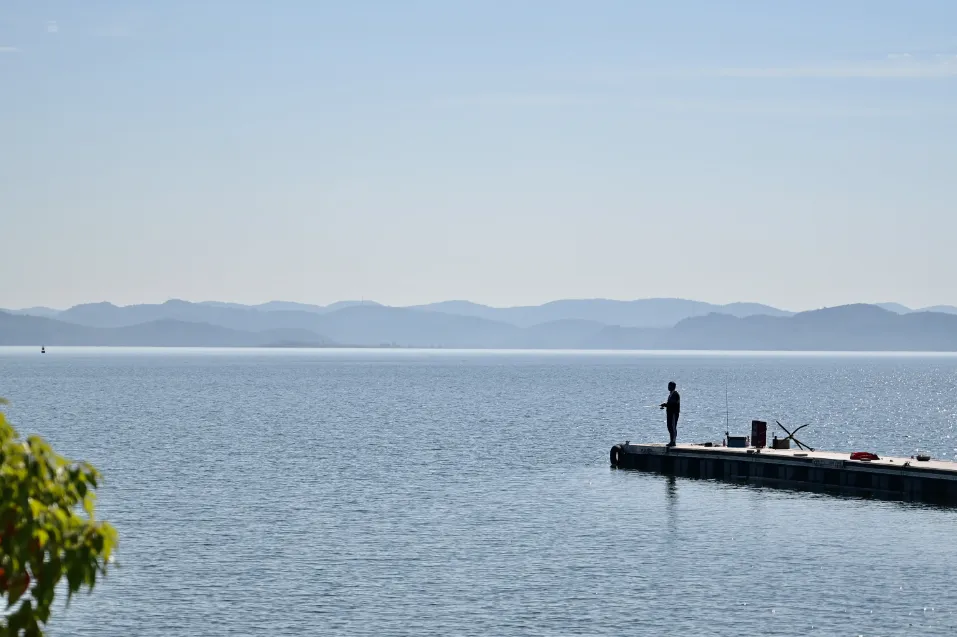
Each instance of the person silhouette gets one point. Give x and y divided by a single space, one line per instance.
673 408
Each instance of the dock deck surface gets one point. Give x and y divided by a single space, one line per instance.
930 480
888 462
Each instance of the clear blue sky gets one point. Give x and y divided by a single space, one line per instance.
801 153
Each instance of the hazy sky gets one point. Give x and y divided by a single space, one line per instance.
801 153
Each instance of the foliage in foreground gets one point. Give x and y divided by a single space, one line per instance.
47 530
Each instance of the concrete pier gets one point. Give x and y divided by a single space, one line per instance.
909 479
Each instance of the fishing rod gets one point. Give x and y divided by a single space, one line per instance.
727 411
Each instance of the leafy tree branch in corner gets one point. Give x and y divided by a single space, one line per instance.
47 530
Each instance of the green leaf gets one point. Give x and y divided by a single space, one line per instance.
89 503
36 508
42 537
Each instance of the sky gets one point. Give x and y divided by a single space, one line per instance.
509 152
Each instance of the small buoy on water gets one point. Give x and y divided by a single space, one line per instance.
43 350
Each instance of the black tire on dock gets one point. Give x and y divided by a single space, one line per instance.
614 455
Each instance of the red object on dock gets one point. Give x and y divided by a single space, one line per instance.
864 455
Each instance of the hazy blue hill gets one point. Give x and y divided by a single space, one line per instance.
467 308
22 329
242 319
897 308
105 314
851 327
47 312
742 310
374 325
288 306
930 331
643 313
943 309
108 315
639 313
235 306
33 330
339 305
173 333
903 309
562 334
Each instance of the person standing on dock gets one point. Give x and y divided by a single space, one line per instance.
672 408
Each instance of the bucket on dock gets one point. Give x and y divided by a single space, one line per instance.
759 434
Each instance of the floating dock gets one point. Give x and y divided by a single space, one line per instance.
909 479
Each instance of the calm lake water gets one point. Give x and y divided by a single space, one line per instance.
460 493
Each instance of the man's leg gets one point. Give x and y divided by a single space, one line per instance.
672 429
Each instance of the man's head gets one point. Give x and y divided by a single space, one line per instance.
672 386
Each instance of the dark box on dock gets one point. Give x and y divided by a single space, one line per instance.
759 434
781 443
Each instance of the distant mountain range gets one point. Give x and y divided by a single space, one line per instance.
640 313
567 324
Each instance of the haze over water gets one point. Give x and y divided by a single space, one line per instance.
444 492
